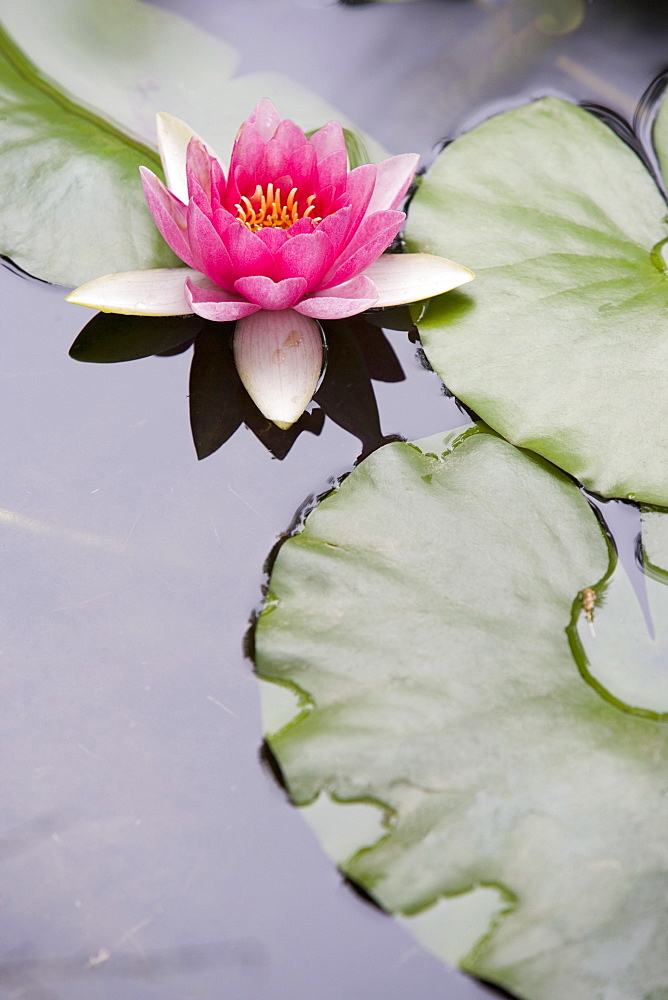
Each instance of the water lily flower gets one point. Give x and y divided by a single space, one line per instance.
287 237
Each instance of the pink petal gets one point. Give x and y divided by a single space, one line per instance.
302 226
373 236
268 294
336 227
302 172
266 119
217 304
208 248
275 163
332 199
197 196
218 183
279 359
345 300
222 220
360 183
273 238
169 215
284 183
198 168
289 136
248 253
329 139
246 158
308 256
392 181
332 172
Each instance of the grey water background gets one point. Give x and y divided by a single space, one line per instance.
144 850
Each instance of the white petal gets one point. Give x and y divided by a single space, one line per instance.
279 355
173 138
158 292
408 277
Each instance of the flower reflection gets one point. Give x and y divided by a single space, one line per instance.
287 237
358 352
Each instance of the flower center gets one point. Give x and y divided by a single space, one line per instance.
264 208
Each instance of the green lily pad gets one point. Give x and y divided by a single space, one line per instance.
128 59
561 342
80 84
72 205
422 620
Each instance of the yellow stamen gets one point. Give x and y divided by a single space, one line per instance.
264 208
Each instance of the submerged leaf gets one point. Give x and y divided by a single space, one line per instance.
561 342
423 612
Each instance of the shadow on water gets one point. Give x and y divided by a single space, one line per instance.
357 353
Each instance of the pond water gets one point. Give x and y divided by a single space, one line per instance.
146 851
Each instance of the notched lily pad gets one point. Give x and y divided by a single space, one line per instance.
625 647
654 541
424 609
561 343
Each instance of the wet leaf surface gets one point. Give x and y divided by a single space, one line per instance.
423 614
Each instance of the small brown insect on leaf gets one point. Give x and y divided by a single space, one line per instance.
588 605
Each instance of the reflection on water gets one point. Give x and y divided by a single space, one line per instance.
357 353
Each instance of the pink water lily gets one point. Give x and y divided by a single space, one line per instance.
288 237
